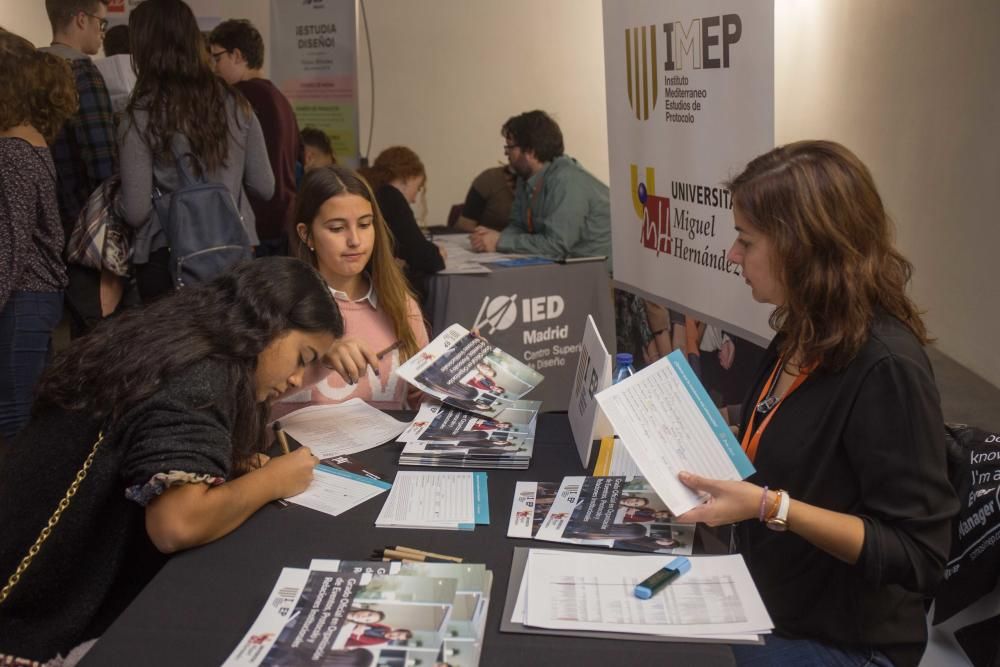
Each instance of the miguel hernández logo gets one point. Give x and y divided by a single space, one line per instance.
652 210
703 43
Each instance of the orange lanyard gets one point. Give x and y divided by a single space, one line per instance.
531 205
750 443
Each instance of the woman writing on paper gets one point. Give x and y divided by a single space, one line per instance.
845 525
154 422
342 234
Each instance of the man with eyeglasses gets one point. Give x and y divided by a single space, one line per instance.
237 51
560 210
84 151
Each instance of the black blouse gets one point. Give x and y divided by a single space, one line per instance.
99 556
868 441
411 246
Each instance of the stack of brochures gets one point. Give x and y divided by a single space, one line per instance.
436 500
441 435
370 613
592 594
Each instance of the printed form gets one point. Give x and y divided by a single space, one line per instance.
574 590
449 500
346 428
666 420
335 491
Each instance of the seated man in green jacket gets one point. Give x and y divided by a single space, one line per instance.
560 210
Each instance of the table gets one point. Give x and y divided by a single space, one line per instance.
196 610
535 313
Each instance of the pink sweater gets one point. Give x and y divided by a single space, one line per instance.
387 391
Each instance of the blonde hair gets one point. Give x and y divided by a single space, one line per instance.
394 293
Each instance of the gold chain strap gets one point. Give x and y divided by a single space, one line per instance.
81 474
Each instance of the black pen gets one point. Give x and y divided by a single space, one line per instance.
652 584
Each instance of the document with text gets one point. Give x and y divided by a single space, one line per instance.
666 420
334 491
574 590
345 428
443 500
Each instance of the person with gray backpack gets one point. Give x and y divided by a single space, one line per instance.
190 149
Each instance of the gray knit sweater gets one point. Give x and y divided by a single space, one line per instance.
247 165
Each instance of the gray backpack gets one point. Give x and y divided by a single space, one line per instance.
203 226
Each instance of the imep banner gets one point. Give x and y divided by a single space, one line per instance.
690 91
314 63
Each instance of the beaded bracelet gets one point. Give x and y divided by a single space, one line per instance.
763 504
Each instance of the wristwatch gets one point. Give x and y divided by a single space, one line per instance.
779 521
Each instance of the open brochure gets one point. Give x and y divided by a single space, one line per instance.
666 420
370 613
462 369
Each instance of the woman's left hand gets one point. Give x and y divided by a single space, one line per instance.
730 501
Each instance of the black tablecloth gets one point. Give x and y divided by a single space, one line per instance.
199 606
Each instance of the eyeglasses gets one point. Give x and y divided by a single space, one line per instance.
508 148
217 55
103 23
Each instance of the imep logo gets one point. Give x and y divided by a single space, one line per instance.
499 313
641 69
652 210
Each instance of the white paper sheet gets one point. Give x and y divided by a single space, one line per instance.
336 491
585 591
346 428
668 424
430 500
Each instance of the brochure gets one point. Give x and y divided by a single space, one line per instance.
462 369
616 512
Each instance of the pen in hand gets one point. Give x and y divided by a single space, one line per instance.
655 582
389 349
280 435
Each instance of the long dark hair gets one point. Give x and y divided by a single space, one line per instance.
393 291
175 84
231 320
816 202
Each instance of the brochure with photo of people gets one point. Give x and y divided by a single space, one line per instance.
617 512
370 613
447 436
532 501
463 370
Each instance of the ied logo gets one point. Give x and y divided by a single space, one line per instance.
652 210
641 69
499 313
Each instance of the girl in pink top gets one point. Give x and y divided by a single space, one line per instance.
341 232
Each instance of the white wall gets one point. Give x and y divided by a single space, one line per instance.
907 84
910 86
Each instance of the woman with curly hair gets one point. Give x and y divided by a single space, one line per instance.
180 108
846 524
146 437
37 95
398 179
342 234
